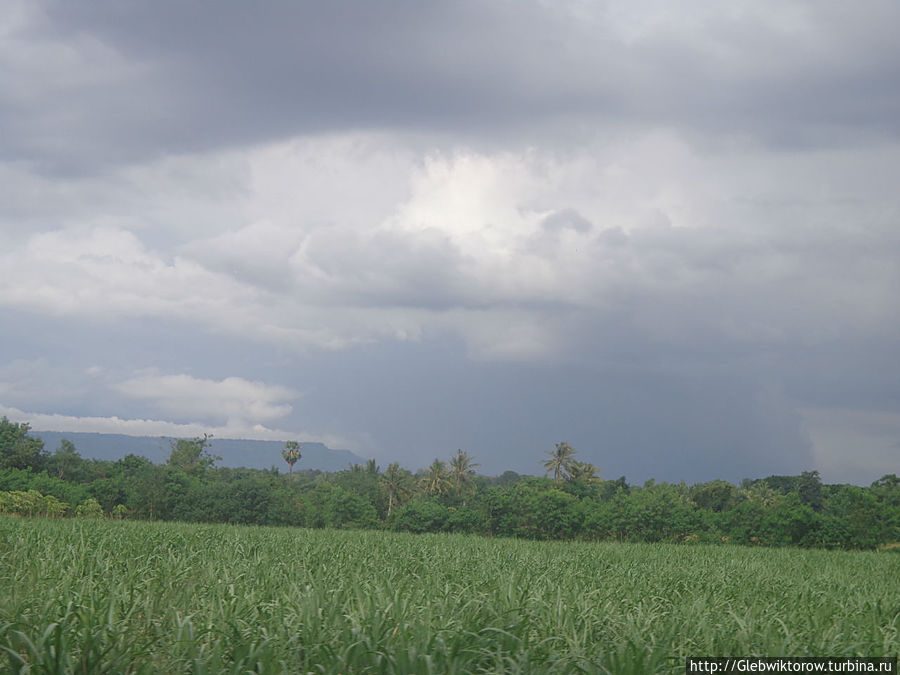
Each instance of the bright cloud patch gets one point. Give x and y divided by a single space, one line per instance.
515 252
109 272
234 398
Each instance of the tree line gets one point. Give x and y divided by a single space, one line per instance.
571 501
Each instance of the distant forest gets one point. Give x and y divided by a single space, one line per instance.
572 501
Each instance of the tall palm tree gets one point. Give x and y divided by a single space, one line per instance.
435 481
559 461
462 471
291 454
397 483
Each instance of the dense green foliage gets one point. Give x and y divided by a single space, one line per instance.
96 596
571 503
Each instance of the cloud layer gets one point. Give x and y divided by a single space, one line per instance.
224 207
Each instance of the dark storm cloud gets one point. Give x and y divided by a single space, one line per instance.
414 402
639 422
206 75
182 77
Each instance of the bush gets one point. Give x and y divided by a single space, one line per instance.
89 508
31 503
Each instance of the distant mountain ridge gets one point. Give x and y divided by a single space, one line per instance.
235 453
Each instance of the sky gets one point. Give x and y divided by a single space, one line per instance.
666 233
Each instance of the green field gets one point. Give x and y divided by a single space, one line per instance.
107 596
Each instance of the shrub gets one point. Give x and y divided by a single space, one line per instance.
89 508
31 503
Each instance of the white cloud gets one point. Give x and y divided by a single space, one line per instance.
234 399
109 272
459 242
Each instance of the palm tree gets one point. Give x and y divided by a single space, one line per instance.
559 461
291 454
435 481
584 471
462 470
397 483
762 493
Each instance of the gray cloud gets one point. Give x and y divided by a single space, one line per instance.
566 218
126 82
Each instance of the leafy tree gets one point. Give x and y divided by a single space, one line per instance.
420 515
529 509
462 472
889 481
613 487
742 524
333 506
810 489
364 484
783 484
18 450
66 463
191 456
465 519
657 513
24 479
435 481
291 454
852 519
790 522
286 506
247 501
398 484
555 514
109 491
130 465
559 461
151 489
505 478
716 495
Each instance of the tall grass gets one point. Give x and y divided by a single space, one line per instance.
119 597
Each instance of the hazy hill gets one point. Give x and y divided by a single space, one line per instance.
234 452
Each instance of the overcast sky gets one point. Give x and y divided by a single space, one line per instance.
667 233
